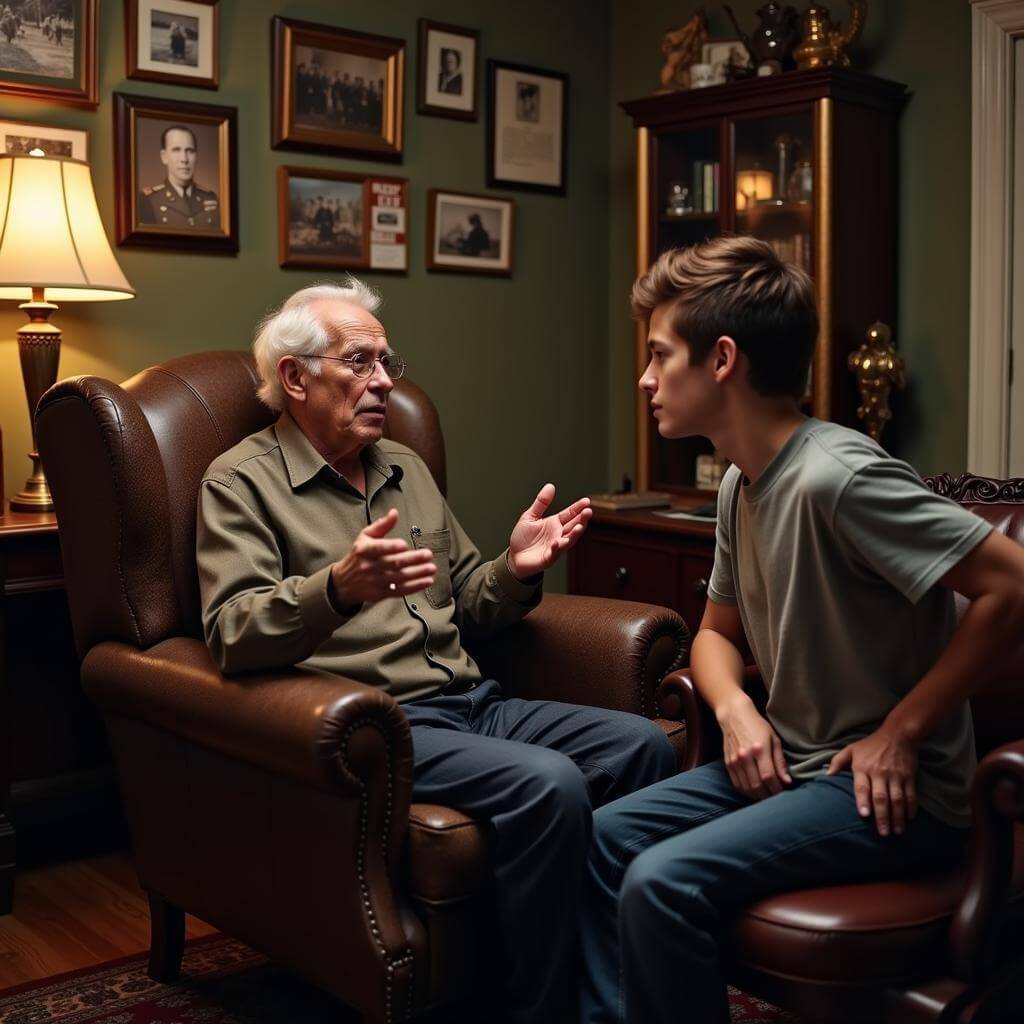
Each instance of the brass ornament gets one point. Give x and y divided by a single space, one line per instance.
878 368
824 41
683 47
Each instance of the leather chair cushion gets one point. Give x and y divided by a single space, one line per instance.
879 932
448 854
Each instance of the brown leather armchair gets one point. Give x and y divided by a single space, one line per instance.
277 806
945 948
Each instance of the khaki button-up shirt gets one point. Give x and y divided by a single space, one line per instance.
273 516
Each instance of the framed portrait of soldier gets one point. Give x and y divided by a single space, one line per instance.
527 127
341 221
446 85
469 234
48 50
175 41
175 174
337 91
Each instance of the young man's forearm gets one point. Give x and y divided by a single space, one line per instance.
717 667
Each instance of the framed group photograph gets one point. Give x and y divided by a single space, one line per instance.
341 221
175 41
446 82
48 50
175 174
527 127
469 233
337 91
20 137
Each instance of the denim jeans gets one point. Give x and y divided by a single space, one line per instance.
533 769
670 865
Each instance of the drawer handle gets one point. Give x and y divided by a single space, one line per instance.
621 574
701 587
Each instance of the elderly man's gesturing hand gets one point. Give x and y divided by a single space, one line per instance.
538 540
378 566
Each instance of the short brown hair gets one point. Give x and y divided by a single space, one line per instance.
737 285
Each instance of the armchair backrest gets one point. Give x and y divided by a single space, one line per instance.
124 465
999 708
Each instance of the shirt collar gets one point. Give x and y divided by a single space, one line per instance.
303 462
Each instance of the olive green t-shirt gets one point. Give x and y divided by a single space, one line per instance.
832 556
272 518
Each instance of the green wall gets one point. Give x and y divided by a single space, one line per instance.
927 46
517 367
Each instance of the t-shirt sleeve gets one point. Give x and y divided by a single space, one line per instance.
900 529
722 588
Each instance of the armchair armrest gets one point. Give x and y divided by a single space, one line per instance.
324 731
588 650
677 697
997 798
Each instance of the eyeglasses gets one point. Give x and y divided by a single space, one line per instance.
362 364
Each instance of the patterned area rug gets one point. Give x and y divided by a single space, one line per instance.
222 982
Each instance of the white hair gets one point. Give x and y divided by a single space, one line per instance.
294 329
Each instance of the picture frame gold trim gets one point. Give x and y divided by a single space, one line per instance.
85 93
286 35
132 69
127 111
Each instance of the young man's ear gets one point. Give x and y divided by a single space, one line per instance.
724 357
292 376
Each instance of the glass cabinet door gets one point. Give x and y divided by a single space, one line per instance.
687 204
773 183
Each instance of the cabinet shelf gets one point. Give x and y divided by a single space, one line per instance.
683 217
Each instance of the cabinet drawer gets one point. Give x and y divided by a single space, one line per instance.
614 569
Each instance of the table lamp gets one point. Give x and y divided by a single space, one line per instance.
52 249
752 186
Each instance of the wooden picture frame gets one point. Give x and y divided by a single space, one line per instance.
72 60
527 128
150 140
468 233
336 220
24 136
336 91
173 41
447 91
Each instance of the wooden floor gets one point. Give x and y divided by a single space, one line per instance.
75 915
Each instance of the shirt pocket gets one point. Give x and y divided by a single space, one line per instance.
440 543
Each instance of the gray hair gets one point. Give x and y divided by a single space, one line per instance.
294 328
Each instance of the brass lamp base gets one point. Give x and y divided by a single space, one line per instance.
39 348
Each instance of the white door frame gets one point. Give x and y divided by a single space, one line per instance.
995 25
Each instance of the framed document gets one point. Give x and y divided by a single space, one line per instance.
527 127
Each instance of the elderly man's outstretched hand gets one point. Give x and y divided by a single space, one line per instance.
378 567
538 540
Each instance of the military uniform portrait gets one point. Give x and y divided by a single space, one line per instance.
180 173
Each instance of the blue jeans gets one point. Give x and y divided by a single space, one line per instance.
533 769
670 865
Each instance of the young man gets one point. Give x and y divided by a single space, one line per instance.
836 565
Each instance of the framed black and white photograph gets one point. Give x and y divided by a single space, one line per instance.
469 233
729 59
446 85
21 137
175 41
336 90
527 127
341 221
175 174
48 50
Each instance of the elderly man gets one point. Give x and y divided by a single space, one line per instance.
321 543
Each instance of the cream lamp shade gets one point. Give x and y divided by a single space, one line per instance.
52 249
752 186
51 235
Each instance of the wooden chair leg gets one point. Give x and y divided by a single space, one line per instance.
167 939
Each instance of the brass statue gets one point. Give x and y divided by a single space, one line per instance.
824 41
879 368
682 48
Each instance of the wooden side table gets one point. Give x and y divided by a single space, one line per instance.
54 760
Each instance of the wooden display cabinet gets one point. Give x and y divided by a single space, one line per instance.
806 160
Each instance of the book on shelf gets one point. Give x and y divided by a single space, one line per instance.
631 500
